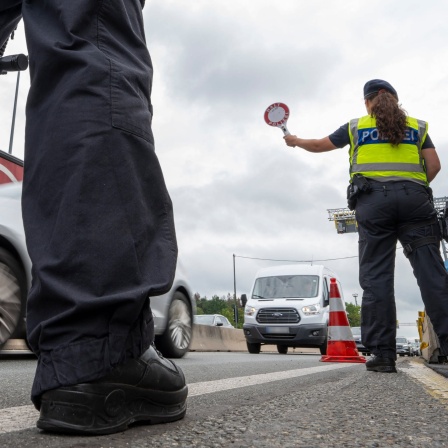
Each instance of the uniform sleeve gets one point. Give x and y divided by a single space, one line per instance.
340 138
427 143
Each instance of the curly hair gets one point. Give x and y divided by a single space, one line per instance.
390 117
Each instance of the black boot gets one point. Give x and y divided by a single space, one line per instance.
150 389
380 364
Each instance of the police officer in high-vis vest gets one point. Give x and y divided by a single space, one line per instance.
392 162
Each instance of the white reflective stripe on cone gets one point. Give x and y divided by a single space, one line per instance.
336 304
339 334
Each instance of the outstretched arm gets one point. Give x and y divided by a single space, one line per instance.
311 145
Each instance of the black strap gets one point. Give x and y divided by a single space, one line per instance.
408 248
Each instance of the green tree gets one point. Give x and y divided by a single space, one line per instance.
353 314
224 305
231 310
213 306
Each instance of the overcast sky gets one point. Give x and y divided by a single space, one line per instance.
236 187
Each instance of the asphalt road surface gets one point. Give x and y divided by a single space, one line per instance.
266 400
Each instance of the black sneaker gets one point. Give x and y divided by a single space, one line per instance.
379 364
151 389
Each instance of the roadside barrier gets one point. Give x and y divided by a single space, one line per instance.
341 346
430 344
209 338
219 339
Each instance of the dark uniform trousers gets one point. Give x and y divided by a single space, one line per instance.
97 215
392 211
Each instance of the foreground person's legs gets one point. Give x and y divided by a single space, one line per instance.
97 216
150 389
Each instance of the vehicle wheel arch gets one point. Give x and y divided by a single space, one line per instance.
187 294
6 245
165 342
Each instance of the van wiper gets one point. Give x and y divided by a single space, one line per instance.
256 296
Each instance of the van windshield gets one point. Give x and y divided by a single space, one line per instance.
286 286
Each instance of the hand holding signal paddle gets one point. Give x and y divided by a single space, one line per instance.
277 115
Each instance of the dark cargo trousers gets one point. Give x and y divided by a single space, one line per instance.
391 212
98 219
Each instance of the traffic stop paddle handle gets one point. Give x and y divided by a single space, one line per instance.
13 63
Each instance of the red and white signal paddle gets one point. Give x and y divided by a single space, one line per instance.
277 115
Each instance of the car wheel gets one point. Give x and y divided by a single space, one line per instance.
175 340
323 348
253 348
282 349
12 297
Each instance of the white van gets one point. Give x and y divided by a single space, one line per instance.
288 307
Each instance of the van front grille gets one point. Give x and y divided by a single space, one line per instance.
278 316
279 336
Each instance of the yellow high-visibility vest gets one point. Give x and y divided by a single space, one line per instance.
377 159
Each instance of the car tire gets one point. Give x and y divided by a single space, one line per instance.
12 297
323 348
282 349
175 340
253 348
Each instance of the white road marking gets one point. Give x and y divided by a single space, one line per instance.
25 417
208 387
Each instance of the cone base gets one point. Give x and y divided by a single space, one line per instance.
358 359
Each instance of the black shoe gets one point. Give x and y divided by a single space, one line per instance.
379 364
150 389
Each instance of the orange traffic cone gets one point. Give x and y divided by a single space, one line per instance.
341 346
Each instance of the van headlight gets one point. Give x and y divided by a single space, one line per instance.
249 310
311 309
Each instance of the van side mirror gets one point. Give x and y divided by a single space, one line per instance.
243 299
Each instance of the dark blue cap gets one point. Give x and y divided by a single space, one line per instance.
375 85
